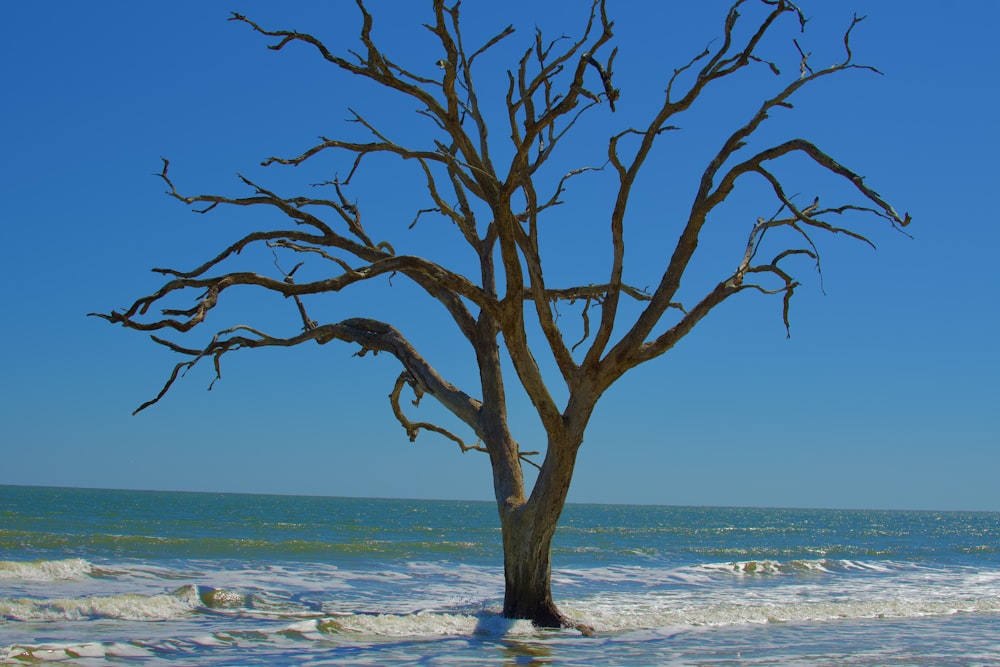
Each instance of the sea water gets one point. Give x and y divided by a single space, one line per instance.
95 577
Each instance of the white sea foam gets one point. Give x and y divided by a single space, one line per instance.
448 598
609 615
424 624
128 607
773 567
69 569
616 617
750 592
52 652
353 627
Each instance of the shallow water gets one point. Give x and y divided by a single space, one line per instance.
126 577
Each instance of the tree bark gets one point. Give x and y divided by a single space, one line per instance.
528 528
527 542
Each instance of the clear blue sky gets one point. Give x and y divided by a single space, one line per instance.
884 396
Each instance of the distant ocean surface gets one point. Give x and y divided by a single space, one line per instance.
96 577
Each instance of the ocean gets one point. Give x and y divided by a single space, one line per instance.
98 577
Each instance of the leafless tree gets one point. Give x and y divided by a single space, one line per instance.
497 212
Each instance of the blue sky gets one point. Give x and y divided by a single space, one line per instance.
884 396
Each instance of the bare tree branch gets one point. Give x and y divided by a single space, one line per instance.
413 428
710 195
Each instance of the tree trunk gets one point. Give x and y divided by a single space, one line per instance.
527 524
528 529
527 562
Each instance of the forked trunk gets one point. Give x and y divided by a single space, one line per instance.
528 524
528 529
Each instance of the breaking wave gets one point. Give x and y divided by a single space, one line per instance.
68 569
126 607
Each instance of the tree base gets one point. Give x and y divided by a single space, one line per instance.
547 615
